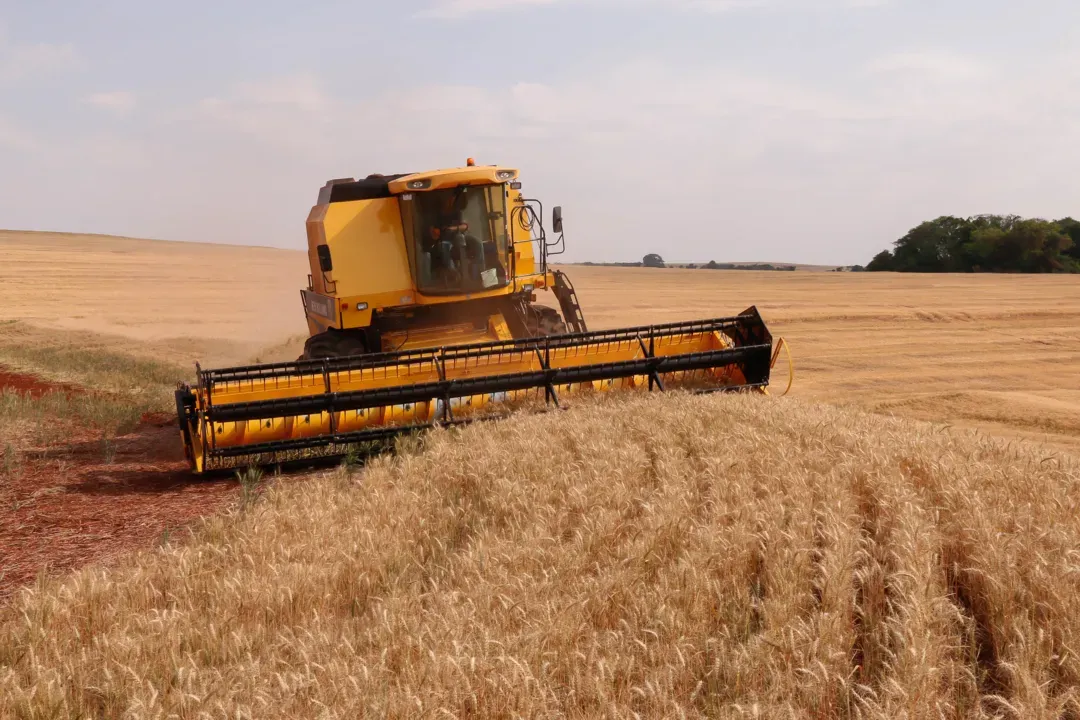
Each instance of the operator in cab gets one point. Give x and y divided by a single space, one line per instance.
459 259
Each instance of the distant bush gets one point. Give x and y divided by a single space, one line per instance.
713 265
658 262
985 243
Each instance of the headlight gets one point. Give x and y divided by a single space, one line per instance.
419 184
361 306
506 174
529 287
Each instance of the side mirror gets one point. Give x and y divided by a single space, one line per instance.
556 220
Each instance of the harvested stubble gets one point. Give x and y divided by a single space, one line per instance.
40 408
87 363
666 557
44 421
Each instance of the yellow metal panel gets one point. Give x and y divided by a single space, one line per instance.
368 248
438 299
499 329
454 177
424 338
447 335
524 255
316 237
353 318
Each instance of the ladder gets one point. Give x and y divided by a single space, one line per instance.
571 308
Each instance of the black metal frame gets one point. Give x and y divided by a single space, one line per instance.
568 302
747 328
529 215
752 354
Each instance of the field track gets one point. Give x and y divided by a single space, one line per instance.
71 505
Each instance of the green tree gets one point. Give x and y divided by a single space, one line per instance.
934 246
1071 228
982 250
985 243
1041 246
882 262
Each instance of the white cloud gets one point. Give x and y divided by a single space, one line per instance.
302 91
457 8
288 112
118 102
701 161
649 152
453 8
637 97
13 137
930 64
20 62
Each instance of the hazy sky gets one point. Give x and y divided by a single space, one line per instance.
786 130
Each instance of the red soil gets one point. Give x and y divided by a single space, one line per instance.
35 387
70 507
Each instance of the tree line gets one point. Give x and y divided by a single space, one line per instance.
713 265
985 243
653 260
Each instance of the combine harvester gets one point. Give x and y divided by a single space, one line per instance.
421 311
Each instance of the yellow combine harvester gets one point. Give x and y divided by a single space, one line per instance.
421 311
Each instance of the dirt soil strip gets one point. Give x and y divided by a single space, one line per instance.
32 386
72 508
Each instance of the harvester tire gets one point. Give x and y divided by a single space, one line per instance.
545 321
333 344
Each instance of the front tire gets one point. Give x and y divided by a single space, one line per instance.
543 321
334 344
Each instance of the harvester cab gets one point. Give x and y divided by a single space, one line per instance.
422 310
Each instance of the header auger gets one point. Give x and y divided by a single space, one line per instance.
421 311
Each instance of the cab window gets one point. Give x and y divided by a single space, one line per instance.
459 239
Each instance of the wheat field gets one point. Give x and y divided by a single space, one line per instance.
900 538
650 557
996 352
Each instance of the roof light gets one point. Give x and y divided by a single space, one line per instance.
506 174
471 162
419 184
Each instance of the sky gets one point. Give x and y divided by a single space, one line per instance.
810 131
